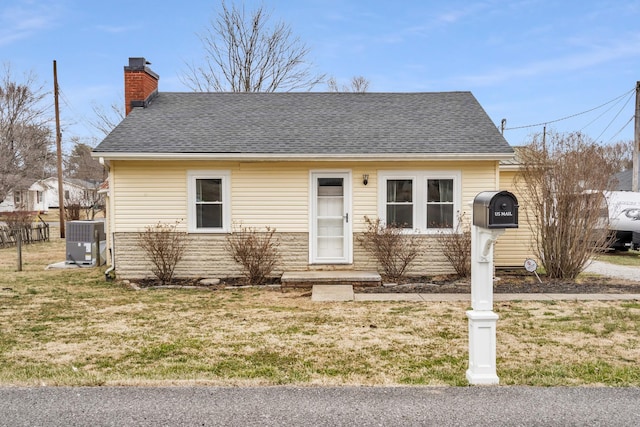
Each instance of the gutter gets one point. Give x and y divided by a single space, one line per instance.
272 157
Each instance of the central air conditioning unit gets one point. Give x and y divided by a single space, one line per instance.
85 241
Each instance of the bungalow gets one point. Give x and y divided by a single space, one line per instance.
310 165
42 195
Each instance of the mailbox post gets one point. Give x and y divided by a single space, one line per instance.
493 212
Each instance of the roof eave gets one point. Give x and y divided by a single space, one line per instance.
510 167
273 157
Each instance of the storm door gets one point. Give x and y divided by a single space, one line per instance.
330 241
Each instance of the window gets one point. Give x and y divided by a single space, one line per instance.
400 203
439 203
423 201
209 201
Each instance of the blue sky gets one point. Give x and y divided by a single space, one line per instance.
529 61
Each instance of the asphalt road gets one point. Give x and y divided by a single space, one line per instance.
320 406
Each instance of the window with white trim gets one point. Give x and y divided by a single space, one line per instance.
400 202
422 201
209 208
440 212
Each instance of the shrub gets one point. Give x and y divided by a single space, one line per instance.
562 180
256 251
18 220
456 246
165 247
72 211
390 246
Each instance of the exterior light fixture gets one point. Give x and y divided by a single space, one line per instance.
365 179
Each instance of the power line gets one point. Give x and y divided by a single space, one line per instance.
572 115
80 118
615 117
622 128
603 113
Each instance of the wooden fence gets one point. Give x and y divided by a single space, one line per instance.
38 232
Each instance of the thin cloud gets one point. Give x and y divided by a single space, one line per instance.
454 15
433 21
599 55
114 29
25 20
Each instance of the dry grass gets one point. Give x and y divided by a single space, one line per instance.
71 328
629 258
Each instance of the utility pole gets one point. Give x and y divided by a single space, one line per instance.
636 142
59 150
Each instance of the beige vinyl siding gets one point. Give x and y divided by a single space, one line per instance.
515 245
364 197
146 193
271 194
262 193
477 177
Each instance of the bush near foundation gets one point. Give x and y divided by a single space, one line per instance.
164 247
393 249
456 246
256 251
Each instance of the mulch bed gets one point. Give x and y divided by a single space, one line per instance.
505 283
513 284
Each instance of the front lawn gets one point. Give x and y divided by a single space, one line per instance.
70 327
629 258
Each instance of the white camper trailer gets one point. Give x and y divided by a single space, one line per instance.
624 218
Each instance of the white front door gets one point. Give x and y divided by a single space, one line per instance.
330 239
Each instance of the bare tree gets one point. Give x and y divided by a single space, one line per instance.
106 119
562 181
244 53
84 202
80 164
358 84
620 154
25 139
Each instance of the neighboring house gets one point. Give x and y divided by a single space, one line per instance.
42 195
76 191
623 181
16 200
311 165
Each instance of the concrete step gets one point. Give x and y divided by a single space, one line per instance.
342 277
324 293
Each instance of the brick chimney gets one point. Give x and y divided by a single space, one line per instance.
140 84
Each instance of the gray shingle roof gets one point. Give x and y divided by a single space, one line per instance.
308 124
624 180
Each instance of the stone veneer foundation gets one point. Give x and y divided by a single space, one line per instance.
206 257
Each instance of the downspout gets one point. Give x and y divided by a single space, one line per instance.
107 273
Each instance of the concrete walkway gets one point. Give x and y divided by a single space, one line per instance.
342 293
324 293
